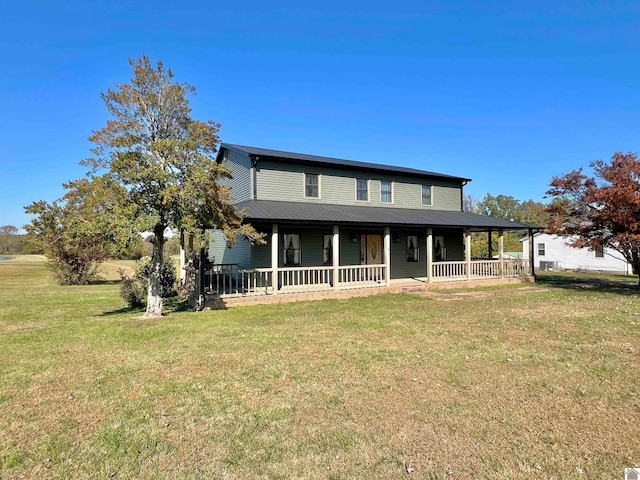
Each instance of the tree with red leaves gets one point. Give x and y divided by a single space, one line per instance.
602 210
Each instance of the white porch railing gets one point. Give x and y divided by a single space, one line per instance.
308 279
231 282
361 276
457 271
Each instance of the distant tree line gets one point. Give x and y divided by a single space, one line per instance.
12 242
509 208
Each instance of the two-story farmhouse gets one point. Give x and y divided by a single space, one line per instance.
334 224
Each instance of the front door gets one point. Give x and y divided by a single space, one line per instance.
374 249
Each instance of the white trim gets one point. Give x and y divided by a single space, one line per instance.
422 185
304 185
392 192
368 200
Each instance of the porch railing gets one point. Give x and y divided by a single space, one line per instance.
233 282
228 282
361 276
457 271
309 279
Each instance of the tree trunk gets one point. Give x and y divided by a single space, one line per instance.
154 299
635 264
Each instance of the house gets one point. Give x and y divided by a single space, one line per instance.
552 252
333 225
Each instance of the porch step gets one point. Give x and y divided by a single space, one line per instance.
413 289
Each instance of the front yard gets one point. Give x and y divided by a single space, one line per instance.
513 383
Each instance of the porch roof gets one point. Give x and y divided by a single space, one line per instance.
287 212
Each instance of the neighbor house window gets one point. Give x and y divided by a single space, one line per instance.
362 189
413 249
599 252
312 185
426 194
292 252
541 249
386 192
327 250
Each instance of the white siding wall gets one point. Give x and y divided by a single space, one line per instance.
569 258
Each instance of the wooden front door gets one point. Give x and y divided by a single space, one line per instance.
374 249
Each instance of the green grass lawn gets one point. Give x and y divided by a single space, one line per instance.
514 383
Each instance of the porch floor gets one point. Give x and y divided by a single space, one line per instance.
398 285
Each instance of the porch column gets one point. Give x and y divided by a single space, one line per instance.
429 255
501 251
387 255
335 248
467 251
533 268
490 245
274 257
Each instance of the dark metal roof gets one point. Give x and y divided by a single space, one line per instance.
338 162
275 211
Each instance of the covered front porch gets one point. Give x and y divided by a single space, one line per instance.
325 260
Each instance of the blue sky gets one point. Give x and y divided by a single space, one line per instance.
507 93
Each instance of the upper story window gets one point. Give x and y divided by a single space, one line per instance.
541 249
362 189
426 195
599 252
312 185
386 191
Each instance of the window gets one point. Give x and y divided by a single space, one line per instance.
292 250
426 194
386 191
312 185
439 250
362 189
541 249
599 252
413 248
327 250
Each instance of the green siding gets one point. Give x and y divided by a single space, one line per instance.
285 182
239 254
240 165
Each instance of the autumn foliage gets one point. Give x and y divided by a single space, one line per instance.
601 210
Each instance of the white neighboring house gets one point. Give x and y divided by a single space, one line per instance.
551 252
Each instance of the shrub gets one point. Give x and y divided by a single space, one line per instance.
132 290
168 275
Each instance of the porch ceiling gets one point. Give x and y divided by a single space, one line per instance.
275 211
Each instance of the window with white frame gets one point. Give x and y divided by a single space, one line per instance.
312 185
541 250
413 248
362 189
292 250
427 194
386 191
599 251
